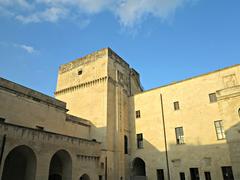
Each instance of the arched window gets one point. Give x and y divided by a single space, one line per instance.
125 144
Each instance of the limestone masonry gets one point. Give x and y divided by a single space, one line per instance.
101 125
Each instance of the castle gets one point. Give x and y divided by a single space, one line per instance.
101 125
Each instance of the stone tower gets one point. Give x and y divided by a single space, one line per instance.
97 88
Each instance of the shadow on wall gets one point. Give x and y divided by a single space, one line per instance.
29 152
186 161
233 141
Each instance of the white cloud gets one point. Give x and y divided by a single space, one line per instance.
87 6
128 12
27 48
133 11
52 14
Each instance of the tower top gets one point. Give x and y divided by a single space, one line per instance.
105 52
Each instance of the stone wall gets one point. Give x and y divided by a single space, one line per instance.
85 154
22 106
196 115
100 93
97 97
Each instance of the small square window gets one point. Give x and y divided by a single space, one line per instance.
138 114
80 72
212 97
176 106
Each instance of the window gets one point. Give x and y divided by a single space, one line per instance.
212 97
125 144
182 175
160 174
40 128
176 106
140 141
179 135
80 72
138 114
227 173
219 129
100 177
194 174
2 120
207 175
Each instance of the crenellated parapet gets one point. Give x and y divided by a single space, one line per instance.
105 52
83 60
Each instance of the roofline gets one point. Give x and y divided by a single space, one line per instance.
184 80
49 132
26 92
84 56
94 55
110 51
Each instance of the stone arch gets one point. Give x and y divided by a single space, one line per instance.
84 177
139 168
20 164
60 166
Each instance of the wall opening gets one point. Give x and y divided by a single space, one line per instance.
207 175
20 164
84 177
227 173
194 174
60 166
160 174
138 171
125 144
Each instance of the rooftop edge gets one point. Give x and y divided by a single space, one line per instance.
91 57
187 79
30 93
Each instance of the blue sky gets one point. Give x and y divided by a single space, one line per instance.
164 40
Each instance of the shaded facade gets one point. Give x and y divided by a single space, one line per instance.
102 125
39 140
